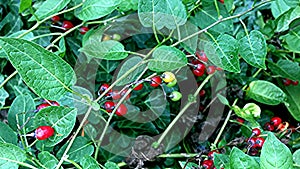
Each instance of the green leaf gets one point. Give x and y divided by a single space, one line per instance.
293 101
184 31
94 9
108 50
3 96
127 65
81 147
24 4
221 161
209 15
49 7
48 160
21 113
275 154
223 52
223 99
28 36
187 165
11 155
157 104
291 41
292 3
278 7
240 160
285 69
265 92
288 17
162 13
89 162
46 74
166 58
127 5
7 135
253 49
111 165
296 157
62 119
253 109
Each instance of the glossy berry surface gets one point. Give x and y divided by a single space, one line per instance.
122 110
172 84
55 18
116 95
259 142
287 82
44 132
155 81
202 93
276 121
175 96
67 25
207 164
251 141
41 106
295 83
198 73
109 106
211 154
211 70
201 56
83 30
103 88
168 77
138 87
255 132
269 127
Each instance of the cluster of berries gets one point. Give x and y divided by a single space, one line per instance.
209 162
288 82
66 25
199 65
255 142
112 95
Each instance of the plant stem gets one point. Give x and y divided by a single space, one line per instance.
74 163
38 23
229 115
219 21
8 78
180 155
217 8
187 105
44 35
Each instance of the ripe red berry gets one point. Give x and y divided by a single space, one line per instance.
251 141
240 120
202 56
255 132
207 164
222 1
275 121
41 106
199 69
116 95
122 110
44 132
211 70
195 61
287 82
124 92
83 30
55 18
138 87
211 154
54 103
259 142
295 83
155 81
219 69
198 73
109 106
67 25
269 126
103 88
202 93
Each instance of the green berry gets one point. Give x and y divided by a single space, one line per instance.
173 83
175 96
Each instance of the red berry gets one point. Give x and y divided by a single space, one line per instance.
269 127
55 18
255 132
43 105
122 110
219 69
200 66
211 70
44 132
202 93
138 87
240 120
283 126
198 72
83 30
109 106
222 1
202 56
259 142
67 25
251 141
155 81
115 95
207 164
287 82
124 92
275 121
54 103
295 83
195 62
103 88
211 154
